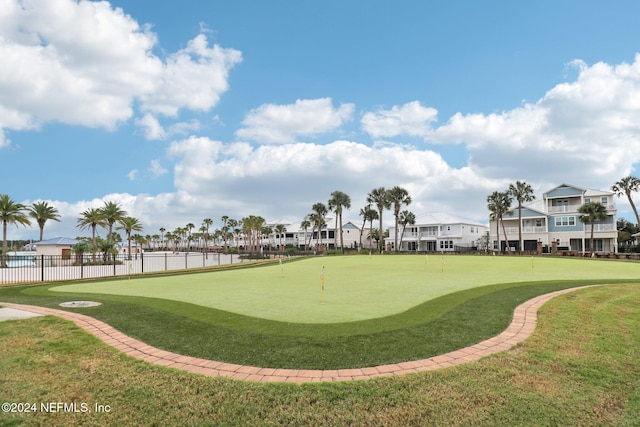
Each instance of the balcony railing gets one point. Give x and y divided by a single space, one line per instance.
526 230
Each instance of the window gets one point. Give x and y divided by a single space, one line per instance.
604 200
565 221
587 200
538 222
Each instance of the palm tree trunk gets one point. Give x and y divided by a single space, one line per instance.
506 239
635 211
520 228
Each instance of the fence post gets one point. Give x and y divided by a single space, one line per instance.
203 258
82 266
186 263
142 262
42 268
165 261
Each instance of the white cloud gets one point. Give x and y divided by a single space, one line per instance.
156 168
281 124
278 181
86 63
412 119
584 132
132 175
151 127
193 78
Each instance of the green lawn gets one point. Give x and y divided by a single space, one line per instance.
356 287
579 368
476 302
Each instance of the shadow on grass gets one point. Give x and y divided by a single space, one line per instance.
435 327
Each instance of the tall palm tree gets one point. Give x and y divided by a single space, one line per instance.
280 229
521 192
162 230
379 197
129 224
206 223
11 213
111 213
225 229
626 186
499 203
337 202
398 196
370 215
43 212
189 228
320 212
591 213
305 224
406 218
91 218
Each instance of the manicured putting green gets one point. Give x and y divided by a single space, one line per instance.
355 287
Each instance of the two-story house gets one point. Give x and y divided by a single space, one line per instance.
437 231
553 221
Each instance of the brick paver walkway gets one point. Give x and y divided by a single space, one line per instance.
522 326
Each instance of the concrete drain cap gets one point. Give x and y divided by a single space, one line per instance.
80 304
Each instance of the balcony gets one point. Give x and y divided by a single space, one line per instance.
526 230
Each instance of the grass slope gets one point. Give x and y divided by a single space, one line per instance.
579 368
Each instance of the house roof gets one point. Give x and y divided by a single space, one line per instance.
444 219
65 241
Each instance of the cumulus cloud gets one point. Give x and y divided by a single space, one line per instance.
584 131
87 63
156 168
281 124
412 119
285 180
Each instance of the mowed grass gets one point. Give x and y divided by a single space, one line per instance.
355 287
580 367
427 328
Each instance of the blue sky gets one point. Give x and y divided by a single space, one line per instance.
182 110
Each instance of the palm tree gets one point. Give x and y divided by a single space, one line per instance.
521 192
370 215
406 218
129 224
162 230
592 212
11 213
319 213
626 186
42 212
189 228
111 213
280 229
398 196
305 224
499 203
337 202
224 230
91 218
206 223
380 198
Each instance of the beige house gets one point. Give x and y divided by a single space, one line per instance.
58 246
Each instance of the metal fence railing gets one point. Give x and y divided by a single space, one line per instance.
45 268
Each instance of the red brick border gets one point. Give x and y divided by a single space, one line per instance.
521 327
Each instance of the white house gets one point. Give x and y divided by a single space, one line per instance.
437 231
296 236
